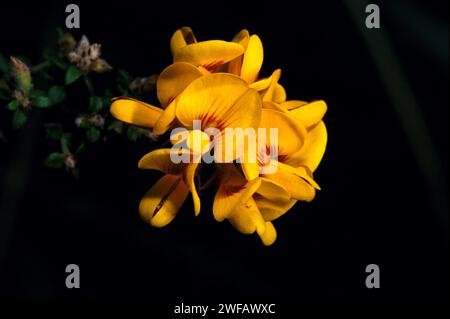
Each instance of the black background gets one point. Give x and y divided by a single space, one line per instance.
377 204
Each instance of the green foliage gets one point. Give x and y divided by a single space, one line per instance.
95 104
55 160
93 134
72 74
19 118
78 113
56 94
41 101
13 105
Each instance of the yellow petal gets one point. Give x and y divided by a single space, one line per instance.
209 54
242 38
233 191
166 119
234 67
312 152
279 94
269 235
162 202
220 101
273 191
295 185
274 106
271 210
292 104
181 38
250 170
247 219
261 84
174 79
189 180
135 112
291 135
161 160
253 59
268 94
309 114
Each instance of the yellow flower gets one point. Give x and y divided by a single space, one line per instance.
235 202
212 87
210 54
161 203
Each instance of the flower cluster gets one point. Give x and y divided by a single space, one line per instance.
217 84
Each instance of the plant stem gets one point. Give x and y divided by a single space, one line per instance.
40 66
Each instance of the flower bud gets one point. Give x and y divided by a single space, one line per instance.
100 66
21 73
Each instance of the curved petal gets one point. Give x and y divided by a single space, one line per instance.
234 67
209 54
271 210
247 219
135 112
253 59
309 114
312 152
233 191
181 38
161 160
279 94
174 79
292 104
269 235
291 135
295 185
162 202
219 101
273 191
269 93
166 119
189 180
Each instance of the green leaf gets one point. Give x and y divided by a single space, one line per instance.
13 105
19 119
72 74
93 134
54 131
81 149
133 133
55 160
95 104
41 101
89 85
56 94
36 93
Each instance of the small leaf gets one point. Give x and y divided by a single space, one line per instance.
89 85
133 133
56 94
19 119
95 104
41 101
13 105
81 149
72 74
55 160
54 131
93 134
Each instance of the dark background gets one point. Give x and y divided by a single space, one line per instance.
384 197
